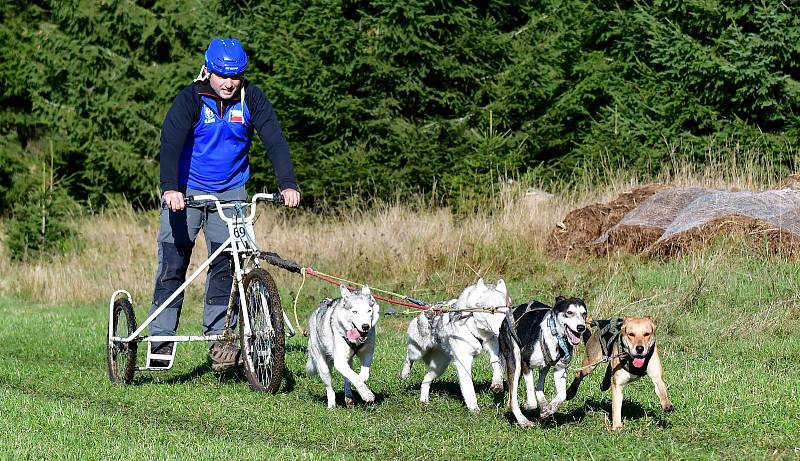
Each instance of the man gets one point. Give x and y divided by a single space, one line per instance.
205 140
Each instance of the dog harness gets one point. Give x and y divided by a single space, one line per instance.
565 351
609 331
627 363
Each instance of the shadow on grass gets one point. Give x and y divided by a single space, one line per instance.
452 389
322 399
631 411
289 381
231 375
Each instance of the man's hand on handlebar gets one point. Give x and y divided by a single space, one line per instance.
291 197
174 200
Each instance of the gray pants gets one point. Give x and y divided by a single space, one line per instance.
176 236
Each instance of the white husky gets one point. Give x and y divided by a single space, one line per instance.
339 329
439 338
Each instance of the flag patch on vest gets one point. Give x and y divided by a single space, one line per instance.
236 116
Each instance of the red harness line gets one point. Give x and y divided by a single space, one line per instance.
311 272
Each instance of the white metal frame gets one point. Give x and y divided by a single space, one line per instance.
242 246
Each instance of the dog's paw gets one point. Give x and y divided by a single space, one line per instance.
529 406
474 410
547 411
669 407
616 428
525 422
367 396
349 402
497 388
404 375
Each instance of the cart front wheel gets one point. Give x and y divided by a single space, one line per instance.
122 355
263 345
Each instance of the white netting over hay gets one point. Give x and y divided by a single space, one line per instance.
779 208
671 221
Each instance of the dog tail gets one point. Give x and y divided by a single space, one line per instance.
311 370
510 350
505 339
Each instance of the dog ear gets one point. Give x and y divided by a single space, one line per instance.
376 310
344 291
560 298
480 282
501 287
365 290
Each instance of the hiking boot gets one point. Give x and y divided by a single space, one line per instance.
161 349
225 355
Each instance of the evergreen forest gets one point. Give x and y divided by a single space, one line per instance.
380 98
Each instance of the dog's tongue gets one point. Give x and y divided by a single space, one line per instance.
353 334
573 338
638 362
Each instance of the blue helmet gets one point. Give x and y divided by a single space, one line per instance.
226 57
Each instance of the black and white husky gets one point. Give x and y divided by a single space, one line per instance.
541 337
338 330
439 338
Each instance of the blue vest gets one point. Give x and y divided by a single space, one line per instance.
215 158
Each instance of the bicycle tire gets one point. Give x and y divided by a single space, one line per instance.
122 356
263 351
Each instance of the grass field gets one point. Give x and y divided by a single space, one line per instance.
727 334
727 320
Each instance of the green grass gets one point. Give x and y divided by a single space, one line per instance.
727 334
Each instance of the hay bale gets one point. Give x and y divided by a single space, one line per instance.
630 238
668 222
583 226
756 233
645 224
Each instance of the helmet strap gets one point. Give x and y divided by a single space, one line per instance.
203 75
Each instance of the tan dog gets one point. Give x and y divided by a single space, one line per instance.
630 343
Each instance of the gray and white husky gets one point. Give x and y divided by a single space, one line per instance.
338 330
439 338
542 337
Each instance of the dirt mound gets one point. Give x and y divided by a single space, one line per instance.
664 221
580 228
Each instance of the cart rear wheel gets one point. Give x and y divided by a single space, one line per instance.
122 356
263 348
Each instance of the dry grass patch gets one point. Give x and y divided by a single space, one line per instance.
417 250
